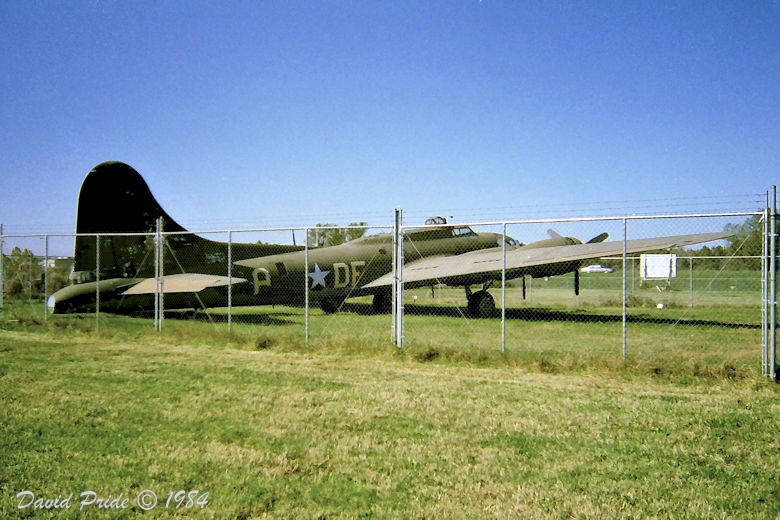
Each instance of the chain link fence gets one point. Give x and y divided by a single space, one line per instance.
702 306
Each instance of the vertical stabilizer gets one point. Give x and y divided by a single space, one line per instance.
115 199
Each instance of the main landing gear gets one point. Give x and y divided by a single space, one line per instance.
481 303
382 302
330 306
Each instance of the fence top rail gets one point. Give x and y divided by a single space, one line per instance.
188 232
592 219
404 227
688 257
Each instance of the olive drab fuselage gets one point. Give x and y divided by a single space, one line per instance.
335 273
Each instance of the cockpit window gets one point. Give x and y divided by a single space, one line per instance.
463 231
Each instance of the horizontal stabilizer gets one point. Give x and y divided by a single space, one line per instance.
182 283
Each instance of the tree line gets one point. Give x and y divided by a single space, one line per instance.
331 235
744 248
23 275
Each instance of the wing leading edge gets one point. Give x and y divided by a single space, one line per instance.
480 266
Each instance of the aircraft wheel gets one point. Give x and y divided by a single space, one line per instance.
382 302
481 305
329 306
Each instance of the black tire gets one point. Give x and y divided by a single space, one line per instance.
382 302
329 306
481 305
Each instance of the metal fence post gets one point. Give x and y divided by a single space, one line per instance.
156 243
159 257
398 282
690 273
162 275
503 291
765 291
393 297
97 282
625 290
45 276
306 288
230 281
773 285
29 277
2 273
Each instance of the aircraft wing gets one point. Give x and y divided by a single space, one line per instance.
182 283
480 266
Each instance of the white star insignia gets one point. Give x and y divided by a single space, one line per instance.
318 277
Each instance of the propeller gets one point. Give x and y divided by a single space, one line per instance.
595 240
573 241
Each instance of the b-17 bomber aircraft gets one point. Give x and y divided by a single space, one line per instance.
117 212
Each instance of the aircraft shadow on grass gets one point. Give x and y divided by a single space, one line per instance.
265 319
550 315
531 314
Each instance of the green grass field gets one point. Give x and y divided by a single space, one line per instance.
347 426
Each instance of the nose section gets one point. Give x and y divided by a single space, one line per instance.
51 304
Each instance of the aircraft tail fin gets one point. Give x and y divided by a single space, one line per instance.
115 199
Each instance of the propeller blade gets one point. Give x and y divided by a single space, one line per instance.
598 238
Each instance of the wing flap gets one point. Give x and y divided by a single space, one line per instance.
183 283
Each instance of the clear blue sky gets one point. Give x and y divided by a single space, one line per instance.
268 113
